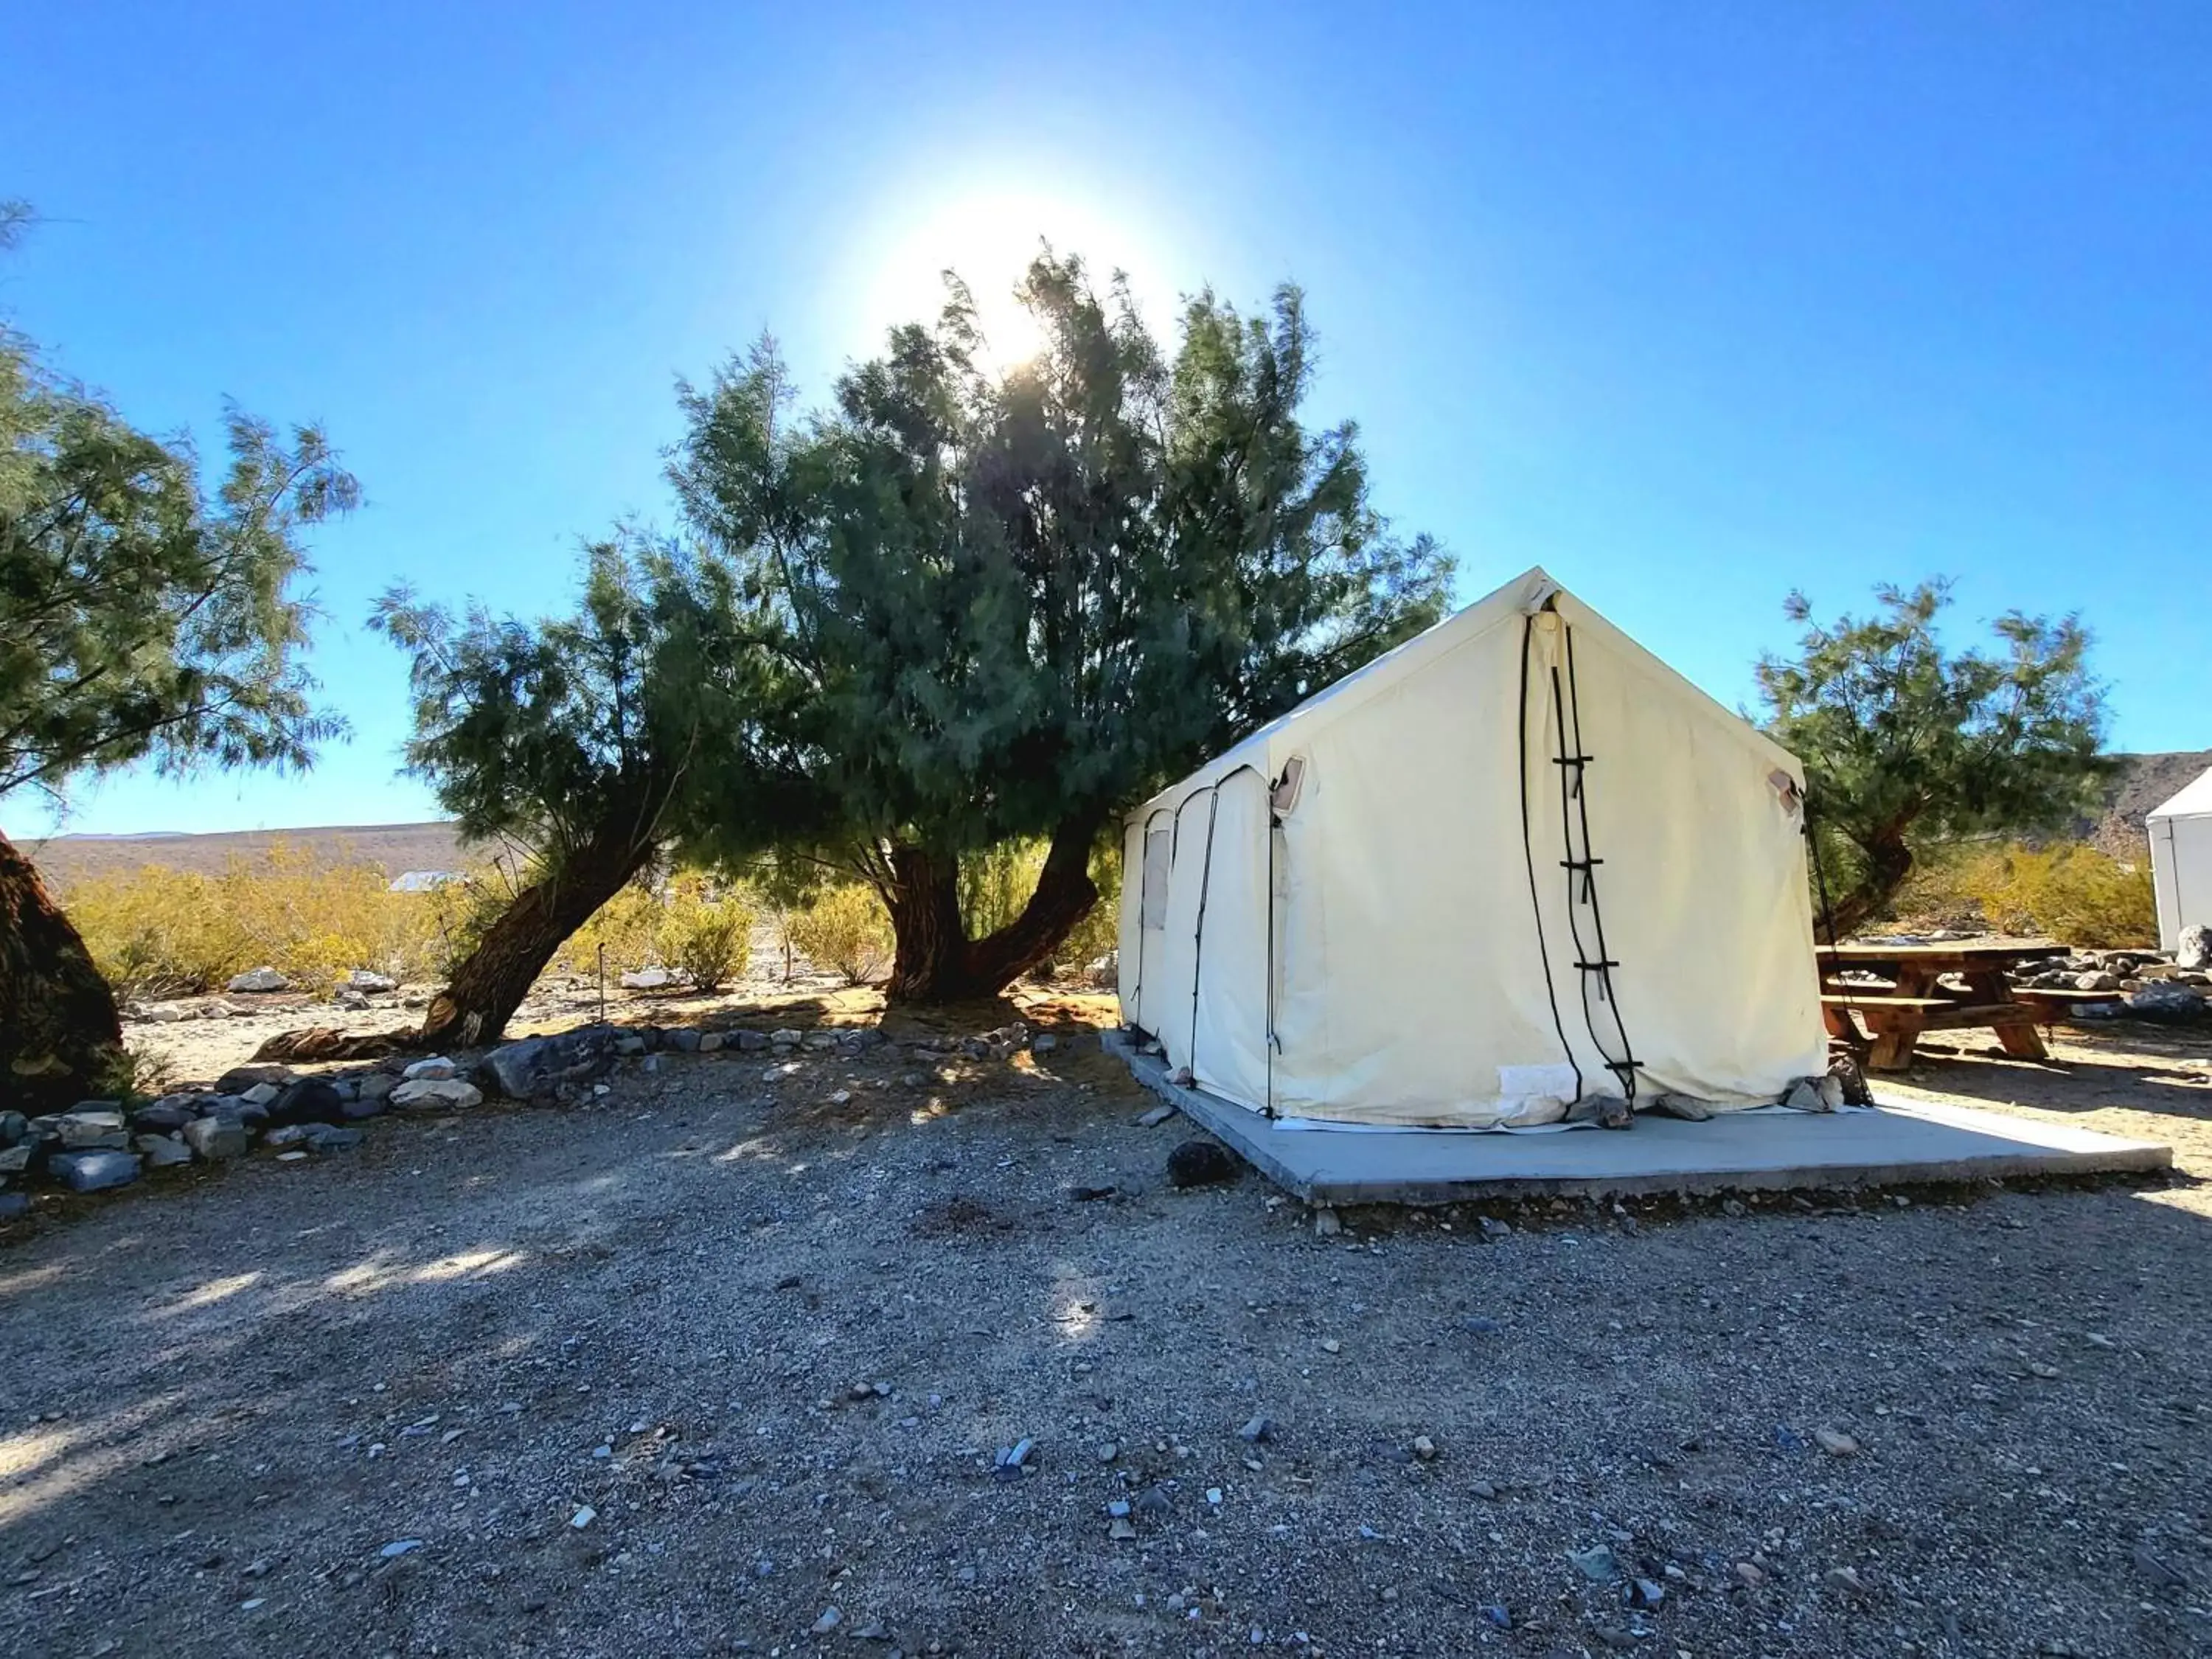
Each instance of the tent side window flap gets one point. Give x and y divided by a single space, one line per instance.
1370 951
1158 854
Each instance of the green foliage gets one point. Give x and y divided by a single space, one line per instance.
555 733
142 614
1018 601
1906 744
845 930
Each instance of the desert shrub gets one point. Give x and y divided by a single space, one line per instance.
155 931
846 930
704 935
2070 890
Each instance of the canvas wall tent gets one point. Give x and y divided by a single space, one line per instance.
2181 860
1341 918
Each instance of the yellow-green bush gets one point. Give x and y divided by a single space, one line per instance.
2070 890
845 930
704 935
158 931
687 924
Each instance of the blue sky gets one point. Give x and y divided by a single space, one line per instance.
1691 303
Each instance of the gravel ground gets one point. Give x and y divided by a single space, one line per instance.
686 1370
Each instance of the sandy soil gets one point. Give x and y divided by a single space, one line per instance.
772 1341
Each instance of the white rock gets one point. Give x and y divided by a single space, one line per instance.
436 1094
434 1070
261 1094
260 979
647 978
363 979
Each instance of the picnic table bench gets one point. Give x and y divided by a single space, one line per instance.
1906 989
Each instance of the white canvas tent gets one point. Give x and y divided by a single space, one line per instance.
1342 919
2181 860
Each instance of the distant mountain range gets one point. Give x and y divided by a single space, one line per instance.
394 848
2142 783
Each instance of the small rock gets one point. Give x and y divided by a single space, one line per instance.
217 1139
1325 1223
829 1621
1805 1095
366 980
1256 1430
258 980
91 1128
1425 1449
436 1069
1121 1530
1330 1345
400 1547
436 1095
1749 1574
1845 1580
94 1171
162 1151
1107 1451
1836 1443
1598 1564
646 979
1154 1118
583 1517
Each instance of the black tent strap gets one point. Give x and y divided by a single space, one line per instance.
1566 702
1588 868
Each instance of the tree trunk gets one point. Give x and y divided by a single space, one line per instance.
61 1038
490 985
937 962
1889 865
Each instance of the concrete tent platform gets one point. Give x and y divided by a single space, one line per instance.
1735 1152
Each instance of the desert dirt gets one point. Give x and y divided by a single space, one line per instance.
686 1369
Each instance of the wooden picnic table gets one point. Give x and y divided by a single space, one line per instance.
1927 987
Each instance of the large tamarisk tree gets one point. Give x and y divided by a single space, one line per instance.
1019 600
1907 744
580 738
146 617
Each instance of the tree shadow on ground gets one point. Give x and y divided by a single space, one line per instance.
2167 1073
